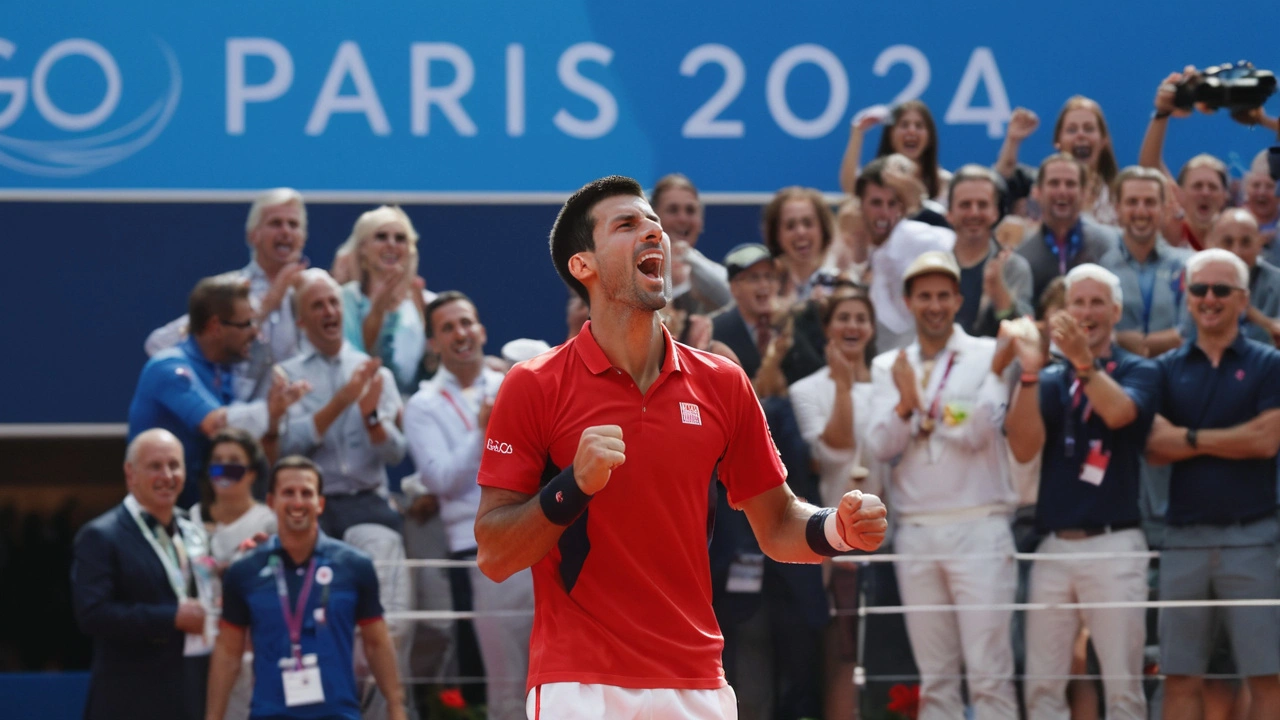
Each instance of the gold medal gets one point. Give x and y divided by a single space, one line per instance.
927 424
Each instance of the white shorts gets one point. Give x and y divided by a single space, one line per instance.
576 701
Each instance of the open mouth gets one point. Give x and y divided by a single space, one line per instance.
650 264
1082 151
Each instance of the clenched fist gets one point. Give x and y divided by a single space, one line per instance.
600 450
861 520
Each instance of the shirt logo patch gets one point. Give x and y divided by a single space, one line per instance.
1240 374
689 414
324 575
499 447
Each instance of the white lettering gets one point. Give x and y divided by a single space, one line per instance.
40 91
914 60
776 91
607 106
982 66
348 61
495 446
446 97
14 87
515 90
238 93
704 122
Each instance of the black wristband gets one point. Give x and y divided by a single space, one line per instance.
1161 115
562 500
1191 438
815 533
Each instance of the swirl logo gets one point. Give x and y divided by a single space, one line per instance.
77 156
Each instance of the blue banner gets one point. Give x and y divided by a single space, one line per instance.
535 97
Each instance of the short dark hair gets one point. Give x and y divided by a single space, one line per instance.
252 449
296 462
873 173
444 298
574 226
771 218
975 172
215 296
1066 158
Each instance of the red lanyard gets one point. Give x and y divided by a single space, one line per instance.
293 620
942 383
456 408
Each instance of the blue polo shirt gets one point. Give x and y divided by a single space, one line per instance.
1066 501
178 387
250 600
1194 394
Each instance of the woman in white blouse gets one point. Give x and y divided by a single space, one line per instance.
833 408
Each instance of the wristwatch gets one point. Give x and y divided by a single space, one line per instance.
1191 437
372 420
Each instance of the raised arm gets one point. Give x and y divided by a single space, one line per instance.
849 164
514 530
1022 123
1151 154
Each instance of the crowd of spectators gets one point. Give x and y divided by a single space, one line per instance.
1137 406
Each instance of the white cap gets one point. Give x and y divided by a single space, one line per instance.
523 349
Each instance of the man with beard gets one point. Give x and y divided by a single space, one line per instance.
611 504
1219 426
1064 238
444 424
189 389
300 597
895 244
134 589
994 282
276 233
936 416
348 425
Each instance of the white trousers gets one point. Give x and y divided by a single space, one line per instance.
976 642
576 701
1118 635
504 641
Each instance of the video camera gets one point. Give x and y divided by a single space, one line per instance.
1239 87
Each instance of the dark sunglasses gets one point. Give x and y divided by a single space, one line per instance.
1220 290
242 325
232 473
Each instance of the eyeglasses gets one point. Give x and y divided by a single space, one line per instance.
242 325
1220 290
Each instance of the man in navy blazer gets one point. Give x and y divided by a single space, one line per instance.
133 587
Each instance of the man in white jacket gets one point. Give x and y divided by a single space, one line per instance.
937 415
444 424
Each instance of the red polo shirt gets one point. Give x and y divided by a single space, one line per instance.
625 597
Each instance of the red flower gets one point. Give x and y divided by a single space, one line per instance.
905 700
452 698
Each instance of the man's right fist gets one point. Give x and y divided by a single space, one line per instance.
600 450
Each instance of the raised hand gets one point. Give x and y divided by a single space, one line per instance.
283 394
862 520
600 450
840 367
904 377
1022 124
354 389
1070 339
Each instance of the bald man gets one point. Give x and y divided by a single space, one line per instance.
135 593
1236 230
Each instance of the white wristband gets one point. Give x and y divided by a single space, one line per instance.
833 534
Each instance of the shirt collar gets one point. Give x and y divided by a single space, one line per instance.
597 362
1074 232
193 352
309 351
1238 347
1157 250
